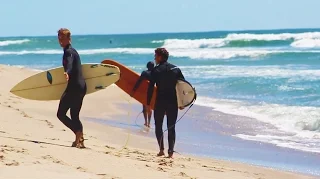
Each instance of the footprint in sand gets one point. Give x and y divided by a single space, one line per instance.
48 157
6 149
161 169
183 174
92 137
101 174
167 164
109 147
25 115
13 163
49 123
81 169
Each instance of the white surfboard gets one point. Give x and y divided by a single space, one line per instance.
50 84
186 94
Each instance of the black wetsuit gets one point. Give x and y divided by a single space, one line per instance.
76 89
145 75
165 76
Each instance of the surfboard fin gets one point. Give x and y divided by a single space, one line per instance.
109 74
100 87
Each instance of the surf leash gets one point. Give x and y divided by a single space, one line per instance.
135 121
129 133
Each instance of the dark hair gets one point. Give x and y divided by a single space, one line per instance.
163 53
150 65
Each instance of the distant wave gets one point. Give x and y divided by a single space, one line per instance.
246 40
269 72
12 42
220 53
306 43
83 52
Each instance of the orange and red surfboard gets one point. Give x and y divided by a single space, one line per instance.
128 79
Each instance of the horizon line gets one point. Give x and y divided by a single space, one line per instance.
175 32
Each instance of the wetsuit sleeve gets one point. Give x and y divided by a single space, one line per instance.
69 62
180 75
142 76
151 87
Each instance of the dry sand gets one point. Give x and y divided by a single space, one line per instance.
35 144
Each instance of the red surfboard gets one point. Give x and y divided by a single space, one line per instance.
128 79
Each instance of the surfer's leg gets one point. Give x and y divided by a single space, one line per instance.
149 116
145 114
75 111
158 119
172 114
64 106
77 125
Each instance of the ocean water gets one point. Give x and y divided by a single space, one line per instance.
270 76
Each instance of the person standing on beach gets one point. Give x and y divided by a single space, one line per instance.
165 76
145 75
76 89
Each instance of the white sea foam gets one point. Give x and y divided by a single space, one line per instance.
302 123
84 52
306 43
221 53
157 41
310 39
12 42
269 72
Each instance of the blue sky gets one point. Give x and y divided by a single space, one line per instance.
44 17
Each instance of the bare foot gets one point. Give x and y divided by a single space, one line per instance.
80 145
170 155
74 144
161 153
79 142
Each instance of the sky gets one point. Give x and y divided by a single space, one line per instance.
45 17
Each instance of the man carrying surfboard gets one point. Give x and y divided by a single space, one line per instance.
145 75
165 76
76 89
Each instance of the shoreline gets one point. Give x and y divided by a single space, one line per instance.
251 154
35 144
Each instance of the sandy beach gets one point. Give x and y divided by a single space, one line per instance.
35 144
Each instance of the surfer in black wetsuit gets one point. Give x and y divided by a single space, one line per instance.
76 89
165 76
145 75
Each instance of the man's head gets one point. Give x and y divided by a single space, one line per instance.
150 65
64 37
161 55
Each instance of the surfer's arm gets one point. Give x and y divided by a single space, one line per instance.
138 82
150 90
180 75
69 59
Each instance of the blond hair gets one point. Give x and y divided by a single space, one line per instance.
64 32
